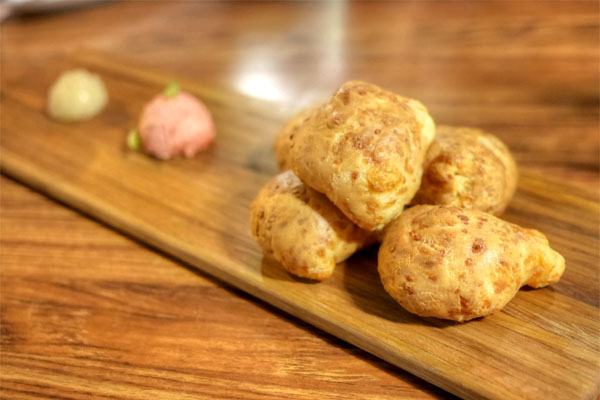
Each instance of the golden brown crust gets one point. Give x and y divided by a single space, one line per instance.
452 263
285 138
468 168
364 150
301 229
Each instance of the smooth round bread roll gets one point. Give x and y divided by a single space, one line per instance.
452 263
76 95
285 139
301 229
364 149
469 168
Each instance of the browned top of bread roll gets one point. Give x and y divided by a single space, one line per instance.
364 150
468 168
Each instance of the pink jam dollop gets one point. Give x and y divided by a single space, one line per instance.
178 125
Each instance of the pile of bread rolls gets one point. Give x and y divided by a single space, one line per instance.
369 165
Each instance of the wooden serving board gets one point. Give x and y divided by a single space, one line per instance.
544 344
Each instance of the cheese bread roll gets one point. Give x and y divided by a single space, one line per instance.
452 263
364 149
469 168
285 138
301 229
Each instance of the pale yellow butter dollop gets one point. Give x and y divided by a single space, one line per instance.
76 95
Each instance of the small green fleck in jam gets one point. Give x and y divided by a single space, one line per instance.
133 140
172 89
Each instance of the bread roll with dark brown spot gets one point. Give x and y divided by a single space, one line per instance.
452 263
364 149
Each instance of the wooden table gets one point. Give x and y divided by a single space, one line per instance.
87 312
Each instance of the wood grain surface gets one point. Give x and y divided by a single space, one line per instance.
197 211
87 313
526 70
